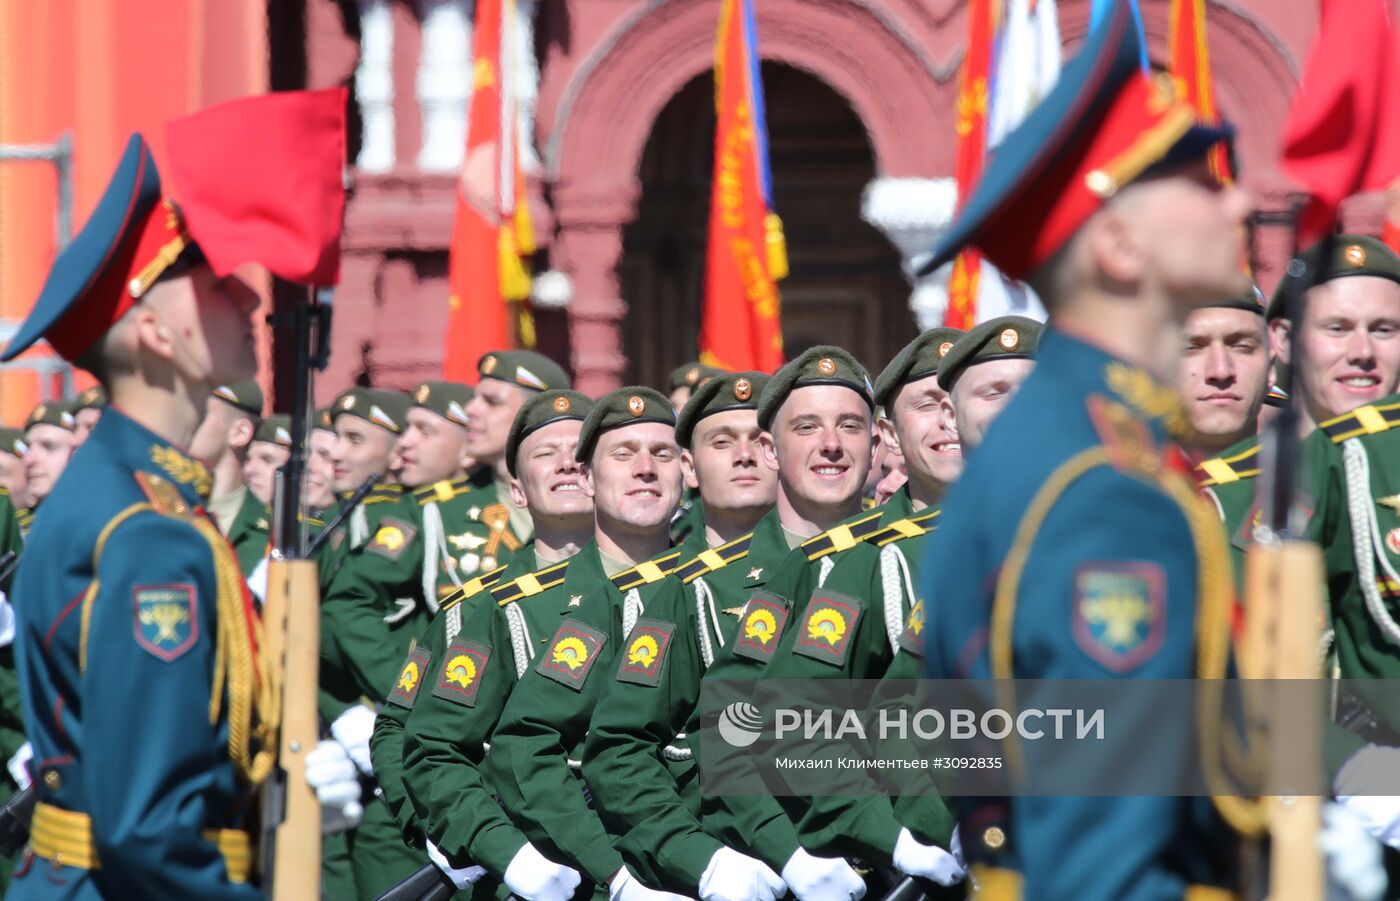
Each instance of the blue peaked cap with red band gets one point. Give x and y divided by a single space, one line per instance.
1105 123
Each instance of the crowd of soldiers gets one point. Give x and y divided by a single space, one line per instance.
522 587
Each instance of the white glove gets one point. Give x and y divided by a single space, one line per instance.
7 621
822 878
1358 788
462 877
331 772
353 729
19 765
1355 871
533 877
914 858
626 887
732 876
257 581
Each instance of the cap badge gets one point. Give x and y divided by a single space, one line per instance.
1100 183
944 348
692 374
1009 339
488 365
743 390
636 405
1355 255
348 402
826 366
38 413
561 405
421 396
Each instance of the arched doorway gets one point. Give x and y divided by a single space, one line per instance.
845 286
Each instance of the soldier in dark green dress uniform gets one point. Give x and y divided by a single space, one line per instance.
12 478
1224 374
146 702
681 386
221 444
48 439
269 451
1077 500
442 761
87 409
633 472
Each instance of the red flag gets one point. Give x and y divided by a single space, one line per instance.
1343 132
973 101
261 180
1189 64
740 326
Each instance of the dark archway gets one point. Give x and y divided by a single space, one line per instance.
845 286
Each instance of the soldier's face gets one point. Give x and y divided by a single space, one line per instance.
12 479
320 469
362 449
821 446
982 392
680 396
49 449
927 435
1351 345
1224 374
489 414
431 449
723 462
85 418
549 481
210 325
260 469
634 477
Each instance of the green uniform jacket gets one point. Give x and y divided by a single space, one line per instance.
851 629
248 533
655 817
755 824
11 723
544 724
386 744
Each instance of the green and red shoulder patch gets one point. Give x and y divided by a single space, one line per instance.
828 627
911 640
463 667
761 625
572 654
411 677
645 654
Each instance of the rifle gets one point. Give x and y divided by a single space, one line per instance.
427 883
15 817
9 562
346 509
291 839
1283 603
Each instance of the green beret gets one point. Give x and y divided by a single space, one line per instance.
12 442
524 368
322 419
93 398
1003 338
1351 255
691 374
918 360
59 413
725 391
623 407
1251 301
821 365
555 405
275 429
446 399
245 395
384 408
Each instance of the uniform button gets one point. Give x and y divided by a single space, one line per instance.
53 780
994 838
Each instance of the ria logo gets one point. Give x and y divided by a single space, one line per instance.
740 724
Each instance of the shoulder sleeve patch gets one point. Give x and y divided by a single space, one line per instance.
828 627
391 538
761 625
165 619
1119 612
463 666
911 640
411 677
645 654
572 653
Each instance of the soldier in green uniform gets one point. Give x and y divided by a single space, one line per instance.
12 478
221 444
681 386
1224 374
649 701
442 758
268 452
685 379
320 465
87 409
984 370
48 439
633 473
367 423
